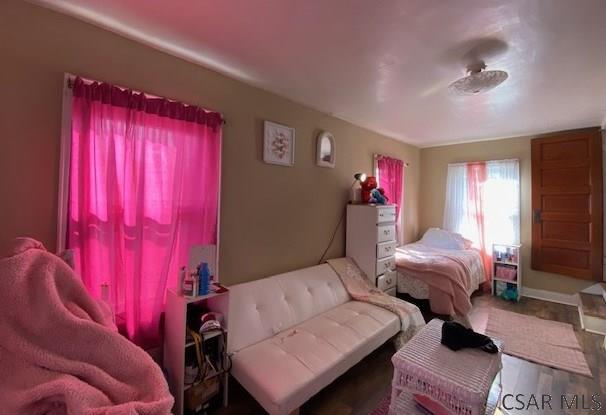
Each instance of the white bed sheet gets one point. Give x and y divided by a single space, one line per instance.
419 289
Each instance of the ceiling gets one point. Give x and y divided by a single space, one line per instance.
385 65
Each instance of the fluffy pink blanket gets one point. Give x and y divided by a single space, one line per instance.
447 276
359 288
60 353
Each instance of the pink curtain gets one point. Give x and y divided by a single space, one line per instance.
144 186
391 177
476 178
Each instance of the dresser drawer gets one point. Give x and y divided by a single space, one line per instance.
386 281
386 233
385 249
386 214
385 264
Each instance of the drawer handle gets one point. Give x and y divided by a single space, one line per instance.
388 248
388 281
386 232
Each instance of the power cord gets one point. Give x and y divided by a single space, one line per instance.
333 234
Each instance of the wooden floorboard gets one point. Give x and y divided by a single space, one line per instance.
360 390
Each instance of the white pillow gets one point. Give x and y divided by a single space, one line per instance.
442 239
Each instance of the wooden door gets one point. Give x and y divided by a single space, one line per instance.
567 204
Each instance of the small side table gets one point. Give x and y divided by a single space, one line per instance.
460 381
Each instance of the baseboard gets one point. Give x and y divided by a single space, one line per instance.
551 296
595 289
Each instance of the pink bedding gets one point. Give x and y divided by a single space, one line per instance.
447 272
60 353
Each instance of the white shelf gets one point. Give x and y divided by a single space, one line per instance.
176 342
515 251
504 280
506 263
190 300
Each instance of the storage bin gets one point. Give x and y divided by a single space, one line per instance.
504 272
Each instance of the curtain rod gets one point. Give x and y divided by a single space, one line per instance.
463 163
70 85
380 156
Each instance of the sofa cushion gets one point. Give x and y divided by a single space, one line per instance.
282 372
260 309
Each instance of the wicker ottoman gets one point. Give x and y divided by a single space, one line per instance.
459 381
406 405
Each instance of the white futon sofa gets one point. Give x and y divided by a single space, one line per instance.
293 334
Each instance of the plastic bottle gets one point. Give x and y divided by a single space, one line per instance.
182 281
188 285
195 284
204 279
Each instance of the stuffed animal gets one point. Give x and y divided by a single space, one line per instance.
368 186
378 196
510 293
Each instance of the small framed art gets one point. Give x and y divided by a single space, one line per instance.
278 144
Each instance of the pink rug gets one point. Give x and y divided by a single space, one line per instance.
545 342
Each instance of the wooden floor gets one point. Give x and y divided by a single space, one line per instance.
361 389
521 376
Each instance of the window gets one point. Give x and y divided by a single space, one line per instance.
143 184
483 203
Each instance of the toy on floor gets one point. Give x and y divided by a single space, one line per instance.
510 293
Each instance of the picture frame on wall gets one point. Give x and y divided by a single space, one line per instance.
278 144
325 150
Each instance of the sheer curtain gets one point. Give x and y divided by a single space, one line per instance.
390 175
143 188
483 203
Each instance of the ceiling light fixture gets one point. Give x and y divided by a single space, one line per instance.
478 80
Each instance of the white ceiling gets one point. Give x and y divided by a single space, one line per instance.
385 65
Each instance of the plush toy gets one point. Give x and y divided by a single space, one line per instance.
378 196
382 191
368 186
510 293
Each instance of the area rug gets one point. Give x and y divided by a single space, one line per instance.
545 342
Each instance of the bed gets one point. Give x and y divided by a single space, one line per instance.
441 267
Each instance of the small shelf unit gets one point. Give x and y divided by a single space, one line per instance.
506 271
176 341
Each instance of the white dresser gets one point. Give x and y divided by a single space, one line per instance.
371 242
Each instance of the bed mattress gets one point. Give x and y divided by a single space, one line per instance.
419 289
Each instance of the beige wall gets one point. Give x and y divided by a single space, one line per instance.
273 218
434 163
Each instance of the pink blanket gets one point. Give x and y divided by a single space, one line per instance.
446 274
59 350
358 287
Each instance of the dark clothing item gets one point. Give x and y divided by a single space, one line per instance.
456 337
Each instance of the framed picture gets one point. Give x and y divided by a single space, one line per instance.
325 150
278 144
